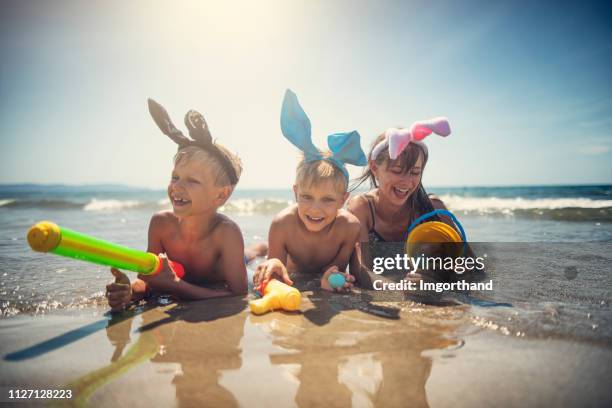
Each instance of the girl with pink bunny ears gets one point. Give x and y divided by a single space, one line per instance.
395 166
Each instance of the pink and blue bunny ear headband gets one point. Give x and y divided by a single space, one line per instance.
398 139
198 131
295 125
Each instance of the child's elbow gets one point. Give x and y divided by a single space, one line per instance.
239 290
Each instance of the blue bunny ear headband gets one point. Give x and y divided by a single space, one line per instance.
295 125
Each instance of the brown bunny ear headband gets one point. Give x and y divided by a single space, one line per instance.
198 131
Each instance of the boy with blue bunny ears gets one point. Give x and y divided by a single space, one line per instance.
315 235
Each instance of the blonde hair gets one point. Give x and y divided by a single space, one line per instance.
309 173
221 178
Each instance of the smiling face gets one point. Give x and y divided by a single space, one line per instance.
318 203
398 179
192 189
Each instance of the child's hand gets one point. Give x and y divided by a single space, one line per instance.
334 269
163 280
119 292
269 269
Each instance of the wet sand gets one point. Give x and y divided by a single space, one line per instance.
337 351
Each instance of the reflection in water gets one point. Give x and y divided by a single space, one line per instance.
205 344
118 333
334 353
357 359
202 337
363 375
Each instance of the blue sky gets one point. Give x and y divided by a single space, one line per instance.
527 87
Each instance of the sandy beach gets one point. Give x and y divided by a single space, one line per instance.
215 353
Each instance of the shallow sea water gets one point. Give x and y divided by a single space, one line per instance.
545 329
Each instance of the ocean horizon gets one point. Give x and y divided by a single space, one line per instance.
591 203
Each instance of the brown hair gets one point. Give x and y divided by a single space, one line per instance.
221 178
419 201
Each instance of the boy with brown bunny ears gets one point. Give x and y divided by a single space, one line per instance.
208 244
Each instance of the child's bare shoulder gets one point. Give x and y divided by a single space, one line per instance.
346 219
227 230
163 219
284 222
286 217
225 224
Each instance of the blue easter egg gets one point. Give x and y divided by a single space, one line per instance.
336 280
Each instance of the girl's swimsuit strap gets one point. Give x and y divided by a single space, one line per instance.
372 231
371 205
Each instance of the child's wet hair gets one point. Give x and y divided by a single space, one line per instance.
221 178
313 173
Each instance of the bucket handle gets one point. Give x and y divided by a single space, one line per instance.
440 212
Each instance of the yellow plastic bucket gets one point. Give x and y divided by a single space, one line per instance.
434 232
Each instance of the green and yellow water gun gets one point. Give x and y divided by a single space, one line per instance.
47 236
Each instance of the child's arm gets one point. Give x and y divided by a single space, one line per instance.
139 287
166 281
232 263
351 229
120 292
276 263
277 238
